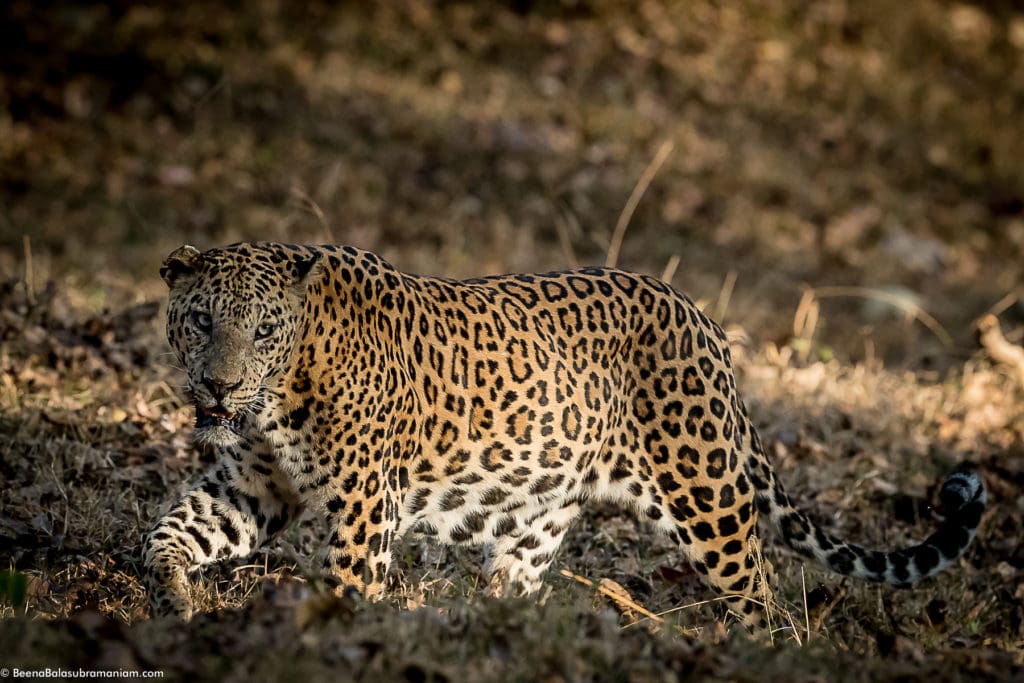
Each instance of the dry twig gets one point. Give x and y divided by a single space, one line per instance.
615 595
646 177
670 269
908 307
1002 351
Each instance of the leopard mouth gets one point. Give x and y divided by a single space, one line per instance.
216 416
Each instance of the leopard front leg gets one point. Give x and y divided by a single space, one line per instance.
231 512
361 528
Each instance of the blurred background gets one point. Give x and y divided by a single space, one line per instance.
869 144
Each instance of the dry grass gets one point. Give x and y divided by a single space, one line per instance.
863 148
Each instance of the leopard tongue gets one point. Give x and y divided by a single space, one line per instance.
218 412
212 417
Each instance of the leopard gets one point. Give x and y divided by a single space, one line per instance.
485 412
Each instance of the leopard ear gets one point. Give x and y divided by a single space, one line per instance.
307 270
182 262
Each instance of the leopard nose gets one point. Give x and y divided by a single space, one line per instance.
217 388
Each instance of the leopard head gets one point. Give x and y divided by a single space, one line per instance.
233 318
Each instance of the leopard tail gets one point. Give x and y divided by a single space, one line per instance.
962 497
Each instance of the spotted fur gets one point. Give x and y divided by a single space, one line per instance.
481 411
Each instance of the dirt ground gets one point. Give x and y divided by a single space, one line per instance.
839 183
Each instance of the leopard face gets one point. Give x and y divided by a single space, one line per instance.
233 329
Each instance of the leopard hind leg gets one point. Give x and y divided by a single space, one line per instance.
524 547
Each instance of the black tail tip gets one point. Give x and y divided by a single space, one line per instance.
960 489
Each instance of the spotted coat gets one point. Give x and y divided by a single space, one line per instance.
482 412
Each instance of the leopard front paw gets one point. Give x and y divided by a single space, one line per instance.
169 596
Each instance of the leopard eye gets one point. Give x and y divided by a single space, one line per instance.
202 321
265 330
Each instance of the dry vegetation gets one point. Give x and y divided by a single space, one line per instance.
842 186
